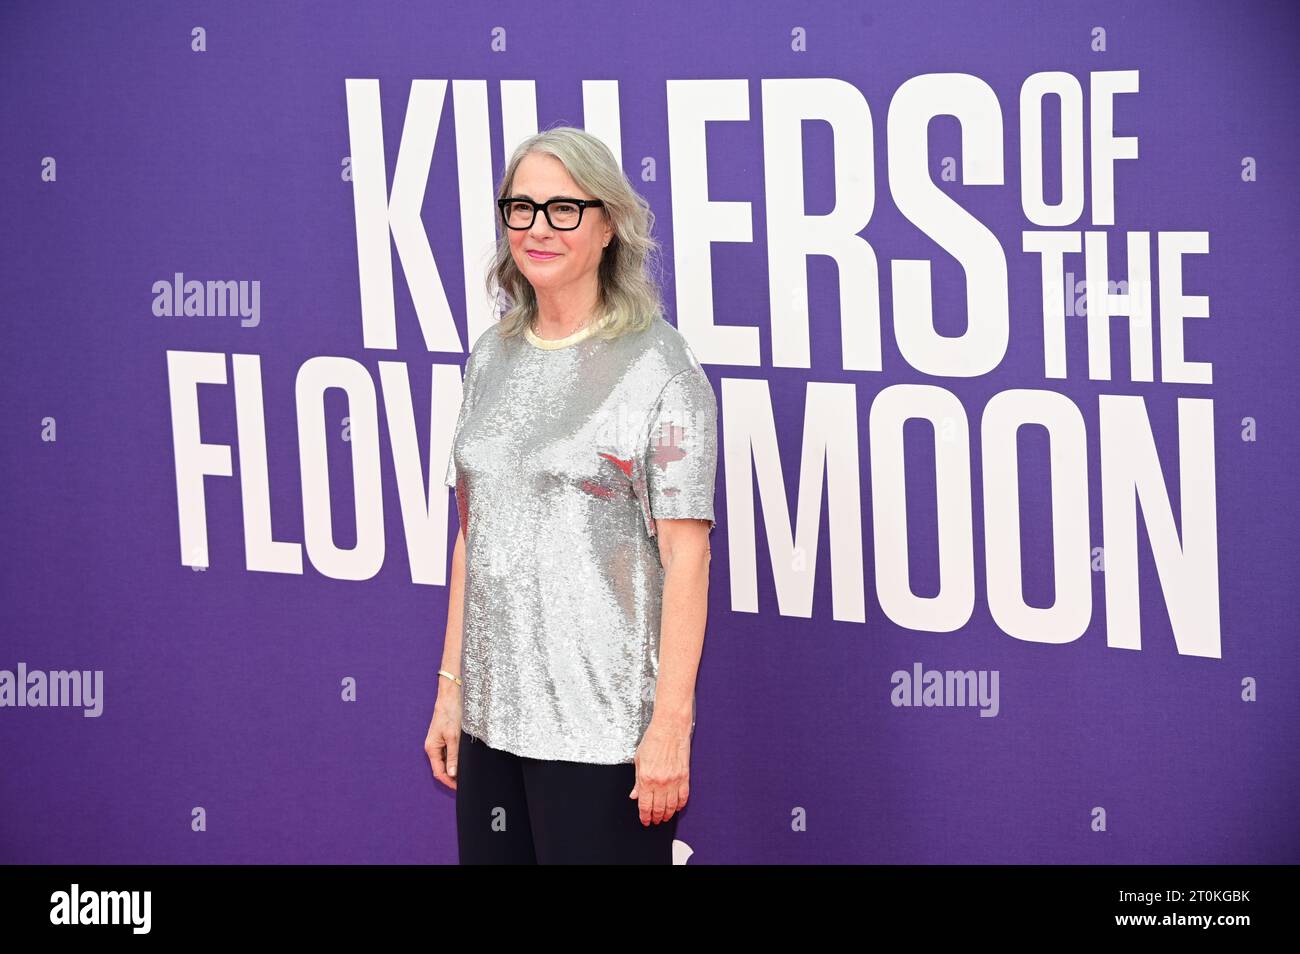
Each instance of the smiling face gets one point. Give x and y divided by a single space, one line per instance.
571 257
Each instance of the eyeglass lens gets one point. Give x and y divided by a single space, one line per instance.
563 215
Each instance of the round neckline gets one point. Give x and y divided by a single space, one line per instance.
552 344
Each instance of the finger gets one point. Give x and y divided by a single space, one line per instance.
437 761
645 806
670 808
661 804
453 752
433 749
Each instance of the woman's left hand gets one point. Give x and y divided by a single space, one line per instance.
663 766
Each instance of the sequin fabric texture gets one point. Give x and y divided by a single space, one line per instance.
564 454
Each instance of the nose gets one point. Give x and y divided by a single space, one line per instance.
540 225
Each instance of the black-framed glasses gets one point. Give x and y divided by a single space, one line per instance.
563 213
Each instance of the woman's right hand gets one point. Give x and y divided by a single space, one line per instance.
442 744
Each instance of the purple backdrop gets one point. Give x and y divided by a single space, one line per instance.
222 687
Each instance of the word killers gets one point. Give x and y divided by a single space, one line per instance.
102 907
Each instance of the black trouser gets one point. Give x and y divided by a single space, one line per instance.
516 810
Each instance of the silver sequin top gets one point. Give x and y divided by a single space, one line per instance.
564 454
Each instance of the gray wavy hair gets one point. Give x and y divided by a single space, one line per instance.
629 293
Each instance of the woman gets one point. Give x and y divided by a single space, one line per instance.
583 461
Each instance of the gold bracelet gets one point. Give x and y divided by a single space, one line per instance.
455 679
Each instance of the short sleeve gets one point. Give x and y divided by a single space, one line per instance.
681 457
466 401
